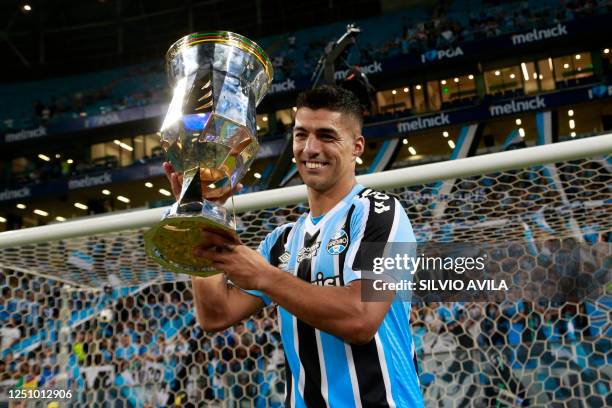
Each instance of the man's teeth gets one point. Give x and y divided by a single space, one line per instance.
314 165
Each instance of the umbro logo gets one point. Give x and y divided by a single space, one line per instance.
284 259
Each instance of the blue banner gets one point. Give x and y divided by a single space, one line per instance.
502 107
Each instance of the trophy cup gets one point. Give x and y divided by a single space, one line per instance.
209 135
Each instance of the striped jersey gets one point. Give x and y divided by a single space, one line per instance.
322 370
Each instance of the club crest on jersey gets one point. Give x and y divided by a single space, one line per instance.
308 252
338 243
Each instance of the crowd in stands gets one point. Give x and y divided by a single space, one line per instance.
417 31
82 96
295 55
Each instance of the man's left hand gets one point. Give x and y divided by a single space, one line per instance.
245 267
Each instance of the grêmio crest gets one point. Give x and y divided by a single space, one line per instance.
338 243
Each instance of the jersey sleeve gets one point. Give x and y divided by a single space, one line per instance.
268 249
379 228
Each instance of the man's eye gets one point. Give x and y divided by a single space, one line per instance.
299 135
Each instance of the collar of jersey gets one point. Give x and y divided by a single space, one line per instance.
312 228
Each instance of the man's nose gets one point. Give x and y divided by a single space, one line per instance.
312 145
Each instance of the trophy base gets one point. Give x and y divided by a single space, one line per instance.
170 243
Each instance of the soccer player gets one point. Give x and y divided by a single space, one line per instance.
340 351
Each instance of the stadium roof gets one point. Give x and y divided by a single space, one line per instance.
42 38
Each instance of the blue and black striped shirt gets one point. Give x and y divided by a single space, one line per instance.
322 369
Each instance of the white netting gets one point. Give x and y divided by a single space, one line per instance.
136 343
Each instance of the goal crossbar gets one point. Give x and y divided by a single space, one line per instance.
409 176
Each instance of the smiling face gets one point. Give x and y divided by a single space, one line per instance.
325 146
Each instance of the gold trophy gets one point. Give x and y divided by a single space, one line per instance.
209 135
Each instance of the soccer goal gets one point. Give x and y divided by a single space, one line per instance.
85 311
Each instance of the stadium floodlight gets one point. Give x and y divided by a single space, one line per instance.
123 145
497 73
123 199
525 72
257 175
521 132
405 141
570 113
44 157
470 76
518 121
27 8
573 134
60 218
445 133
264 118
2 219
148 184
406 90
21 206
412 151
42 213
418 87
359 160
106 192
165 192
451 144
565 66
578 56
81 206
456 80
572 124
443 82
606 51
69 161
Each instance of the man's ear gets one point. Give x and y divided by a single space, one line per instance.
358 146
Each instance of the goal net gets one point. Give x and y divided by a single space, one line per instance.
83 310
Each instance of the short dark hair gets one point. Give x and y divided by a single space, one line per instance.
333 98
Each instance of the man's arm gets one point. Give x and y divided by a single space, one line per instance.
219 305
336 310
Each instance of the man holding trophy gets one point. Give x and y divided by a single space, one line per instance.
339 349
